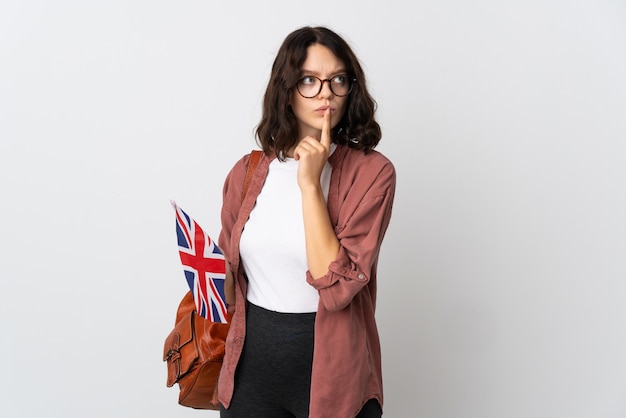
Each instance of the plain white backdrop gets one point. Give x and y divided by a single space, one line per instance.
503 275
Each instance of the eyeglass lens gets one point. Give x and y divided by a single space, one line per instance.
311 86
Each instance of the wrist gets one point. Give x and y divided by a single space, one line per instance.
310 188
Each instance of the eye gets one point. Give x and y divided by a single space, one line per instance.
340 79
307 81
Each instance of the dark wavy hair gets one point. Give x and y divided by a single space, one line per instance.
277 132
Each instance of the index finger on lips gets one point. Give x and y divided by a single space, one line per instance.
325 139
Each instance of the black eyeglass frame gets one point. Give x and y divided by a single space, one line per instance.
353 80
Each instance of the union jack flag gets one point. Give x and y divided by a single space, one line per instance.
204 265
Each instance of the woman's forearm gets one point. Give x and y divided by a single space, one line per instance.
322 245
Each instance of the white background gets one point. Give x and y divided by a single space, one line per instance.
502 277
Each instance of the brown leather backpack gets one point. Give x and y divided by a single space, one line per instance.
194 350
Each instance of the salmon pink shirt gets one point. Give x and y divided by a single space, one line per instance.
346 356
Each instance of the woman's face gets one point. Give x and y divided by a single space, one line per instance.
322 63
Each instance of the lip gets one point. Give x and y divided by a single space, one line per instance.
322 109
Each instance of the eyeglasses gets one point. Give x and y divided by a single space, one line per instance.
310 86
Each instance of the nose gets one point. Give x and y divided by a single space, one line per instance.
325 91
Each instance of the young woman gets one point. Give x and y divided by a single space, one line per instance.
303 245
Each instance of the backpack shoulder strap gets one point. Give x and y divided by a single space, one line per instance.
255 157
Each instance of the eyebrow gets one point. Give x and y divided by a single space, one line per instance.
337 72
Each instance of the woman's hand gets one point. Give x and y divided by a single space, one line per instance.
313 154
